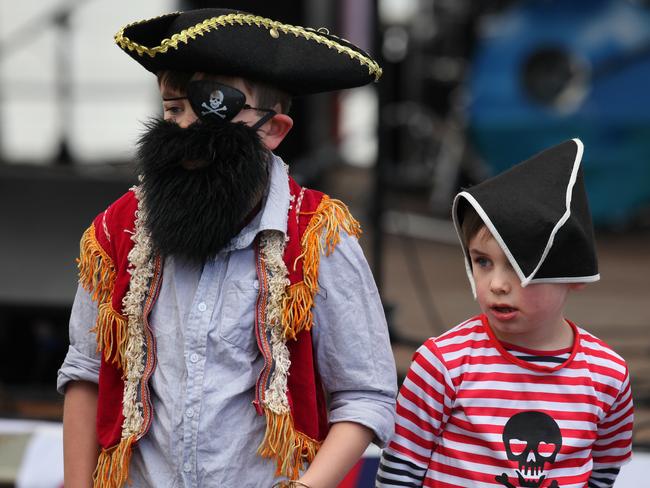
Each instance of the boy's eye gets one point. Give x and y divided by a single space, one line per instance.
173 110
481 261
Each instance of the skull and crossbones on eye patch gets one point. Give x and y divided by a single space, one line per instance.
209 97
215 106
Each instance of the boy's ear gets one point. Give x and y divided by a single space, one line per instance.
274 131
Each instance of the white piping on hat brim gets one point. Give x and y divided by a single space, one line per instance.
459 234
567 279
567 212
525 280
493 230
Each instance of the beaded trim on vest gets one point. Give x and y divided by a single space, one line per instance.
126 332
121 336
292 449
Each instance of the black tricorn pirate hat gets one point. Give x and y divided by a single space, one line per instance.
294 59
539 214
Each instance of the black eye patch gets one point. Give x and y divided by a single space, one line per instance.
212 100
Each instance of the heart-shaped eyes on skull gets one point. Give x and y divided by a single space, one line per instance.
544 449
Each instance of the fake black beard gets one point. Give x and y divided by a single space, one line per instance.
199 184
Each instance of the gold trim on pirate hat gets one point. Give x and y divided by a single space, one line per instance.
294 59
539 214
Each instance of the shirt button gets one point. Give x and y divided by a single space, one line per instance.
202 307
189 412
194 357
187 467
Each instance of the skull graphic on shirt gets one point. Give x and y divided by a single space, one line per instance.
532 440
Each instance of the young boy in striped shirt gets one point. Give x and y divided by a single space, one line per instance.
517 396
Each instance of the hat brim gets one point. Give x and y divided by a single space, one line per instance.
291 58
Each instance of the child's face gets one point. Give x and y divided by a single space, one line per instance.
181 112
532 316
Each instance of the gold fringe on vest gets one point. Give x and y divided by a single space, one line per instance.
96 270
112 469
320 237
292 449
97 276
111 334
296 309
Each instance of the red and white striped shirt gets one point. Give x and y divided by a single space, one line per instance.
473 413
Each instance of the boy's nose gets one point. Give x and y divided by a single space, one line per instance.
500 283
187 119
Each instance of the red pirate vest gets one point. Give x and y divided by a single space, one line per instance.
118 267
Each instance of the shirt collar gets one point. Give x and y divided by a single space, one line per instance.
275 208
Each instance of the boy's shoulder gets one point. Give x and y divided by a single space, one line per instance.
468 330
123 206
120 212
598 351
462 339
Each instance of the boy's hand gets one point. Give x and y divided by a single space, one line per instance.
343 446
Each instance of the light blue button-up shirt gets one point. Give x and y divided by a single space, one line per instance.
205 431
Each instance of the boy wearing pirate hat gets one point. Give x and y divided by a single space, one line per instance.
517 396
238 338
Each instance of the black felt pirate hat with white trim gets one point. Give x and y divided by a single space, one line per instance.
294 59
539 214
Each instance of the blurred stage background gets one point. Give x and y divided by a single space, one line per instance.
469 88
